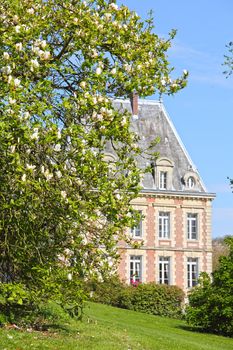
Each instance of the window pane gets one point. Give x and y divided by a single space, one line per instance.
163 180
164 225
164 270
191 226
135 269
192 272
137 230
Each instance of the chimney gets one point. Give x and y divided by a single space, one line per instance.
134 103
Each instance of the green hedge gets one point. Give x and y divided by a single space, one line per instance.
151 298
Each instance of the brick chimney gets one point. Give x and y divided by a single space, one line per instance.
134 103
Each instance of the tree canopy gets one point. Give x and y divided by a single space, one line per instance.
63 206
211 302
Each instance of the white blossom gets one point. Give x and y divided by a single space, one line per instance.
127 67
34 64
98 70
12 101
35 134
26 115
44 55
17 82
15 18
17 29
57 147
113 6
12 148
174 85
113 71
108 16
124 121
6 55
23 178
31 11
99 117
63 194
48 175
19 46
94 53
83 84
30 167
6 70
58 174
163 82
43 43
185 72
69 277
9 80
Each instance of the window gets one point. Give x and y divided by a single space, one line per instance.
135 269
163 180
192 272
192 226
136 231
164 270
164 225
190 182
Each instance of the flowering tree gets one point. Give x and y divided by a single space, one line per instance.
63 206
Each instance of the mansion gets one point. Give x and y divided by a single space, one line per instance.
175 229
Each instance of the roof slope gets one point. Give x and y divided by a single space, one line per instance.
153 121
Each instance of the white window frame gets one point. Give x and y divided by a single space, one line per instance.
164 225
165 270
163 179
192 272
191 182
136 231
192 226
135 269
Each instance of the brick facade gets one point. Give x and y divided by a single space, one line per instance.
176 208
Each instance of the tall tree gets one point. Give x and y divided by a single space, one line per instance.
63 206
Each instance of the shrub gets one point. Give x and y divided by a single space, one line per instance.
16 302
211 303
107 292
21 306
153 299
150 298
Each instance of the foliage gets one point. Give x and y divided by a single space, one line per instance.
63 206
220 248
229 59
150 298
154 299
211 303
19 306
15 302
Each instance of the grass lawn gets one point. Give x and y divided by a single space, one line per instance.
108 328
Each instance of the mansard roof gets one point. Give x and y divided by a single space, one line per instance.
153 121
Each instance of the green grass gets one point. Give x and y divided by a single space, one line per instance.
108 328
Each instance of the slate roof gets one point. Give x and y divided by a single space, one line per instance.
153 121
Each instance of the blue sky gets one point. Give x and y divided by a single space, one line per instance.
203 111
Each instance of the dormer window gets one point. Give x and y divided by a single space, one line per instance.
190 182
163 180
163 173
